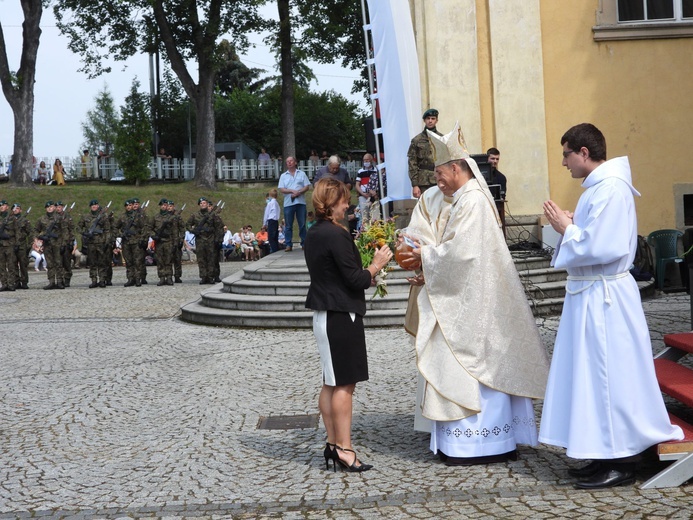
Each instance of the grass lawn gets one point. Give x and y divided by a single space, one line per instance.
244 205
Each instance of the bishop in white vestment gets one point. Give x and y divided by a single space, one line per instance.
477 345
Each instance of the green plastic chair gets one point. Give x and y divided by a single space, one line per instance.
665 244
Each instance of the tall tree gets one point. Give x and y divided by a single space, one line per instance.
186 30
19 91
101 124
286 65
133 134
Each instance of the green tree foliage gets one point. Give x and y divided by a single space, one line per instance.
324 121
174 111
187 32
133 136
234 74
101 124
332 32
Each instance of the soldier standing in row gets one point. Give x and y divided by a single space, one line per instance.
111 243
209 231
163 235
178 238
143 239
8 257
67 241
48 229
95 230
24 235
129 226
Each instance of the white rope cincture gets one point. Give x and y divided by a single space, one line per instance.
596 278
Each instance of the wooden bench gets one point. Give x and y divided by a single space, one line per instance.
676 381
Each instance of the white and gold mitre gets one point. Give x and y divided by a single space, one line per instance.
448 147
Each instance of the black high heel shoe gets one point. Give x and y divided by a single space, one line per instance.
331 455
351 467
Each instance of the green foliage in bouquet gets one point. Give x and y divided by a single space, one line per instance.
374 235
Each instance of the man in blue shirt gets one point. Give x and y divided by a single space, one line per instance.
294 183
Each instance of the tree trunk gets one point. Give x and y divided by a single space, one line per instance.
205 158
19 92
288 133
202 93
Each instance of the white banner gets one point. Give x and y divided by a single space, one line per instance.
399 89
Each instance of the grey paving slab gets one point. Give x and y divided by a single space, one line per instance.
111 407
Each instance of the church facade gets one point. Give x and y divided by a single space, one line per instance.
518 74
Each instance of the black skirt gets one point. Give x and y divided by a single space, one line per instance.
342 345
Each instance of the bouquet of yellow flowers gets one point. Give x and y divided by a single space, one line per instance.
375 235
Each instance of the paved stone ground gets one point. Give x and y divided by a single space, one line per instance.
111 407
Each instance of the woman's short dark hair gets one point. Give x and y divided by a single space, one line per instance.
327 193
586 135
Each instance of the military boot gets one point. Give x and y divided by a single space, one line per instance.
129 283
50 287
178 280
102 283
93 283
162 281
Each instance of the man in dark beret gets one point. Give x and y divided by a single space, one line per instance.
48 229
95 228
163 234
24 237
8 258
421 168
67 241
208 229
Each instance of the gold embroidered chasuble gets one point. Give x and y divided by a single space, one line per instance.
471 319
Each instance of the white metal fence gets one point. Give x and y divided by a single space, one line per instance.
107 169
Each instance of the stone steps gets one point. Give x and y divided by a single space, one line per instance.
271 293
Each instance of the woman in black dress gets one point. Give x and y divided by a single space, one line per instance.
336 294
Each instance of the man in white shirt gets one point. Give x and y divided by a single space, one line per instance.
294 183
271 220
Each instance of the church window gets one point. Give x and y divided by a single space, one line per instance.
643 19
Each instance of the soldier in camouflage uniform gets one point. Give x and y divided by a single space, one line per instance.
218 242
420 155
163 234
49 229
95 230
111 246
67 241
24 236
209 233
179 237
129 228
8 257
143 239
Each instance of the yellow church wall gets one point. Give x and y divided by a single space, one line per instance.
637 92
518 74
481 63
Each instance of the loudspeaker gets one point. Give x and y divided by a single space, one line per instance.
483 164
370 137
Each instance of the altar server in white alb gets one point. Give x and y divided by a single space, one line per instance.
477 345
602 401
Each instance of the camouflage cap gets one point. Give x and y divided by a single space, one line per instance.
93 202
